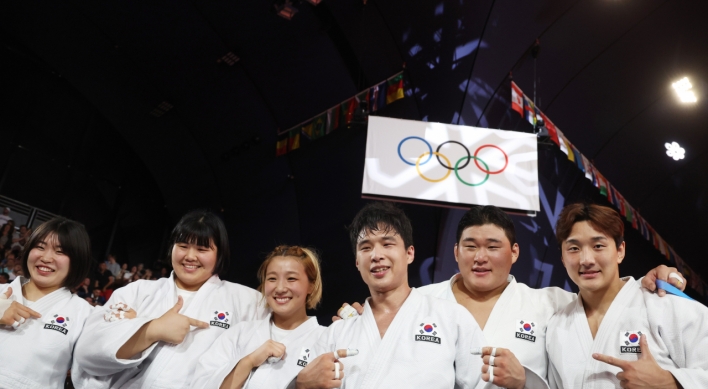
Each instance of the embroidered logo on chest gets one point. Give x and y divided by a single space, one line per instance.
629 342
427 332
59 323
526 330
221 319
304 357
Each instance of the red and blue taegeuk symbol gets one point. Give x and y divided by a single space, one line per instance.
60 320
527 327
634 338
221 316
428 328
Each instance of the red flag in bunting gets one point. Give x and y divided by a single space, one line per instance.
552 132
517 99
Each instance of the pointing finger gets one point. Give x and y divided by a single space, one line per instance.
198 323
343 353
644 347
622 364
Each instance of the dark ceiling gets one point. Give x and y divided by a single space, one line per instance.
603 76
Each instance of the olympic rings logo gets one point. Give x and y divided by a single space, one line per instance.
449 166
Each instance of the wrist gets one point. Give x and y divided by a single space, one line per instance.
152 335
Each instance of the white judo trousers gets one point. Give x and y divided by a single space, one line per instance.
428 345
517 322
243 339
219 303
38 354
676 332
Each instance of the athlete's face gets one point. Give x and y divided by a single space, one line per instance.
193 264
286 287
485 255
48 264
591 257
382 259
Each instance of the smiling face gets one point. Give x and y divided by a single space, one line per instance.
286 287
484 256
382 259
591 258
193 264
48 265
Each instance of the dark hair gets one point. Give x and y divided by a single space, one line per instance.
601 218
74 242
384 217
203 228
3 274
487 214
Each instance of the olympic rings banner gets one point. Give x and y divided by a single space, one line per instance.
450 164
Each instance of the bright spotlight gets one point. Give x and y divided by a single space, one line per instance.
683 88
675 151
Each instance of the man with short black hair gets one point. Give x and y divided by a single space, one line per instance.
404 339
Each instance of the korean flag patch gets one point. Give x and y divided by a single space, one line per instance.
304 358
526 330
629 342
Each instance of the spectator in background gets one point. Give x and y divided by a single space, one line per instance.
6 234
148 275
129 274
112 265
9 262
97 297
107 290
135 277
4 278
5 217
84 290
164 273
17 271
20 238
101 276
121 273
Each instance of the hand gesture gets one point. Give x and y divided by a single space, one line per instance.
269 349
346 312
643 373
324 372
120 311
16 314
664 273
173 327
502 369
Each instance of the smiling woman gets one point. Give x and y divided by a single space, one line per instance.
178 318
40 320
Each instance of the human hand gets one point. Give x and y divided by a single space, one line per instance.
644 373
664 273
172 327
348 311
15 314
325 371
120 311
269 349
502 368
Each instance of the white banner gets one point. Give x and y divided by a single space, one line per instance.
450 164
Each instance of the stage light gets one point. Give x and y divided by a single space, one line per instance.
285 9
314 2
675 151
683 88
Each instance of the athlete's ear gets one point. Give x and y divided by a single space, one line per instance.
410 253
456 260
620 253
514 253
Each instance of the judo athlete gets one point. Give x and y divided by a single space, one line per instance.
617 333
178 318
40 320
513 316
269 353
404 339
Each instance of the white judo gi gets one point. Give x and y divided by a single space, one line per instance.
675 328
243 339
38 354
517 322
428 345
219 303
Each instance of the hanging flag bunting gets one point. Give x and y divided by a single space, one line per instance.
587 167
375 97
395 89
517 99
550 127
563 143
530 111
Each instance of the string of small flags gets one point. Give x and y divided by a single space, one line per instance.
341 115
525 107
